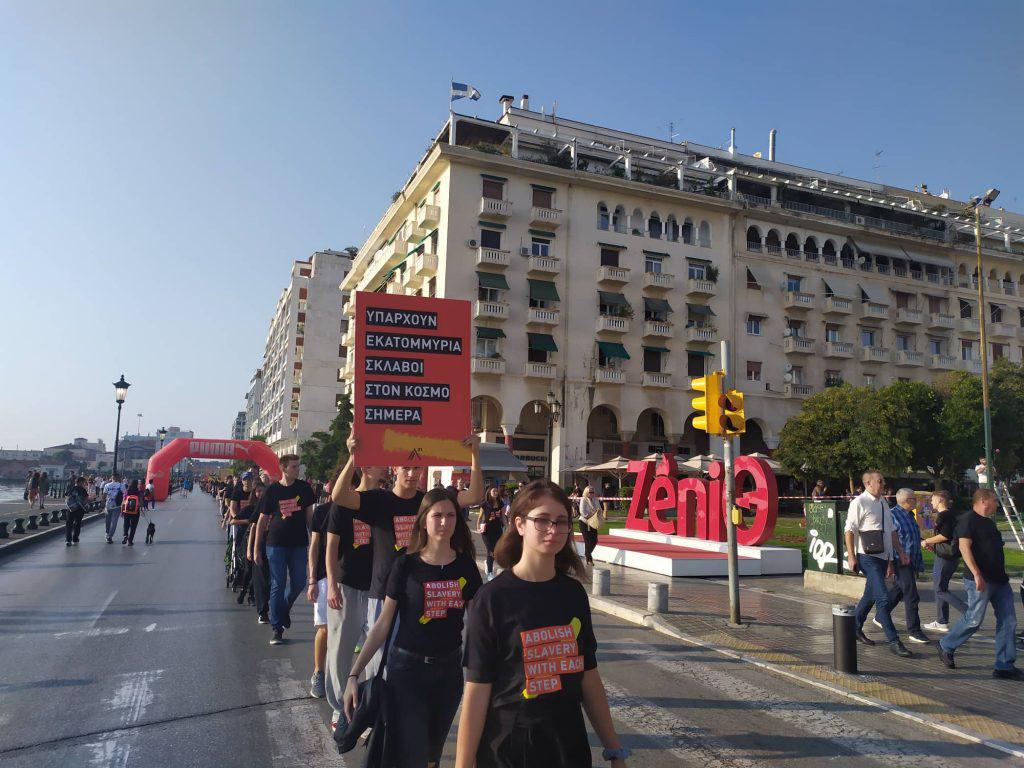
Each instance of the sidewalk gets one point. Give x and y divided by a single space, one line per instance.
789 630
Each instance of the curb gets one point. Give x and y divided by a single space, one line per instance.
16 545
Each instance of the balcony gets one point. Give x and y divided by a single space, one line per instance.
658 281
1000 330
545 217
873 311
972 365
612 275
875 355
941 322
660 380
837 306
695 287
544 316
700 334
349 307
494 365
798 345
490 310
611 376
798 300
943 363
495 209
658 328
908 316
395 287
428 216
407 233
909 357
613 324
425 265
970 325
540 370
492 257
843 349
799 390
544 264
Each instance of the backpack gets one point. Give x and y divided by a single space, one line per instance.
131 505
119 499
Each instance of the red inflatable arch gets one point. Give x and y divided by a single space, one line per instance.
160 463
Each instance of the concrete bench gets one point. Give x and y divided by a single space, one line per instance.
19 525
33 524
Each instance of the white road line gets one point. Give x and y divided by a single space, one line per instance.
297 734
106 604
151 627
129 702
95 632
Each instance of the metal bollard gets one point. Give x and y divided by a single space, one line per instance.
602 584
44 518
62 515
32 524
19 525
844 641
3 530
657 597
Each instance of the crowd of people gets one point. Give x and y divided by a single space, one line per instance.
402 611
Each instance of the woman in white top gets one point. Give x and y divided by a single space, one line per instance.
591 519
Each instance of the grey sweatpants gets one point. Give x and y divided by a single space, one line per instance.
346 628
113 513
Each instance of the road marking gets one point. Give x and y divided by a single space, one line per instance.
106 604
95 632
128 704
151 627
297 733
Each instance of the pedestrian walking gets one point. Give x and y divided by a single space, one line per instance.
427 589
131 508
316 593
985 581
114 492
531 654
349 573
44 489
260 578
491 524
592 517
905 576
33 489
78 505
946 547
871 541
285 517
149 495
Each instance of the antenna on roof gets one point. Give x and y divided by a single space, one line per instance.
672 132
877 164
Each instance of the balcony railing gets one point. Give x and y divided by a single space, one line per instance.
909 357
661 281
613 324
496 310
700 334
941 321
548 217
798 390
875 355
873 311
492 257
971 365
754 200
970 325
658 328
908 316
698 287
610 376
540 370
495 209
425 265
613 274
943 363
798 345
493 365
837 306
839 349
798 300
545 264
651 379
1000 330
544 316
428 216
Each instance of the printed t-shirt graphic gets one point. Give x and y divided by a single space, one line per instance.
360 534
403 530
439 596
289 507
548 653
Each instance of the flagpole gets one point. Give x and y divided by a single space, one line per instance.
451 114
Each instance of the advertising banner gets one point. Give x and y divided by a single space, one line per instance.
411 390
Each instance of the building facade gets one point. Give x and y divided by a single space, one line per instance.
605 268
238 427
301 380
253 404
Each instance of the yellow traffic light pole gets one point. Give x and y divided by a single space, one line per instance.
730 487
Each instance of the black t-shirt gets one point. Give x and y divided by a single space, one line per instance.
240 495
431 602
945 525
986 545
531 641
321 513
355 555
493 519
284 505
391 517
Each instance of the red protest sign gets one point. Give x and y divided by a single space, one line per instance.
411 404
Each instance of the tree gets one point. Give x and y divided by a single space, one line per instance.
324 451
912 409
960 421
1006 383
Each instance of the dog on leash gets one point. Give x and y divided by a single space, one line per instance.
150 532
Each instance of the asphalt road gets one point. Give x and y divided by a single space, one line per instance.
117 656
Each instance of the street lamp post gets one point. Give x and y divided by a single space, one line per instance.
978 203
554 414
120 393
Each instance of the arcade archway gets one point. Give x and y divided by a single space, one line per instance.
160 463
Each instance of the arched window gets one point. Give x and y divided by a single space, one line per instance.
657 425
772 242
753 238
704 235
636 222
828 252
793 246
688 231
846 254
672 229
619 219
811 249
603 219
654 226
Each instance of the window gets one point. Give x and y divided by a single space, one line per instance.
490 238
966 309
688 232
752 283
934 305
833 378
696 270
543 198
998 351
869 380
996 312
537 355
488 294
902 300
540 246
833 333
793 283
754 325
935 346
868 337
608 361
672 229
798 374
609 257
704 235
603 219
654 227
653 263
652 360
902 342
494 190
795 327
695 364
966 349
753 370
1021 313
488 348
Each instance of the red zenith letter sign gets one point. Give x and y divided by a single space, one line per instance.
699 504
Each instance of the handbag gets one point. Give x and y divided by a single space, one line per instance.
872 542
944 549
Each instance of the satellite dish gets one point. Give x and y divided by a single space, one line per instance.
788 367
788 378
788 332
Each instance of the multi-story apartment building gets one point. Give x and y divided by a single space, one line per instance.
605 268
253 404
301 378
238 427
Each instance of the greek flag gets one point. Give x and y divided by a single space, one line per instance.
462 91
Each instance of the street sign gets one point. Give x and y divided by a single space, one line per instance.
411 390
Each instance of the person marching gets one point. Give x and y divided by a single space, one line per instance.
260 581
428 587
131 507
531 654
492 515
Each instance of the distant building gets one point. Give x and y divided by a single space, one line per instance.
238 427
253 404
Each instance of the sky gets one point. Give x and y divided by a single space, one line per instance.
162 164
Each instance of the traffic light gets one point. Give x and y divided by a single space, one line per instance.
710 418
731 416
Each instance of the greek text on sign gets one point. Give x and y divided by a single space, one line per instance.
408 342
400 319
401 390
390 366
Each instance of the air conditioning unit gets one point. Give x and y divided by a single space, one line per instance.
524 251
859 220
472 243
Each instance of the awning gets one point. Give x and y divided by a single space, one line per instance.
655 349
884 249
492 280
760 275
543 189
542 342
489 333
699 309
656 305
541 233
490 225
543 290
612 299
659 254
613 349
935 261
699 353
493 178
876 294
426 236
616 246
497 458
839 287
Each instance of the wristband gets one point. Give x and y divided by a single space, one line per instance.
310 583
616 754
355 676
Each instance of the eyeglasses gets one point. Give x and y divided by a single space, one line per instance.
544 524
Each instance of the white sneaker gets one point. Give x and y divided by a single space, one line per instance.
877 623
937 627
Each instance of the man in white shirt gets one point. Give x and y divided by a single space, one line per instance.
982 471
113 507
869 520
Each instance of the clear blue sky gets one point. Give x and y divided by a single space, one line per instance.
162 164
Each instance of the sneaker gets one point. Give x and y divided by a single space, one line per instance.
918 637
1008 674
287 621
946 658
278 637
937 626
900 649
124 541
877 623
864 639
263 619
110 540
317 688
67 543
131 543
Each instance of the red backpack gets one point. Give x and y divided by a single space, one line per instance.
131 505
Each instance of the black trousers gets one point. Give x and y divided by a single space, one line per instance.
261 586
421 701
589 539
905 589
131 522
73 525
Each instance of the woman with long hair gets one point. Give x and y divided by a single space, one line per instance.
260 573
247 515
531 664
131 508
427 591
591 519
492 523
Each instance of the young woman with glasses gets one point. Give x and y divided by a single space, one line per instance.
530 661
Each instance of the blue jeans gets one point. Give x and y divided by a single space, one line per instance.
1001 597
875 594
285 563
942 572
113 514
